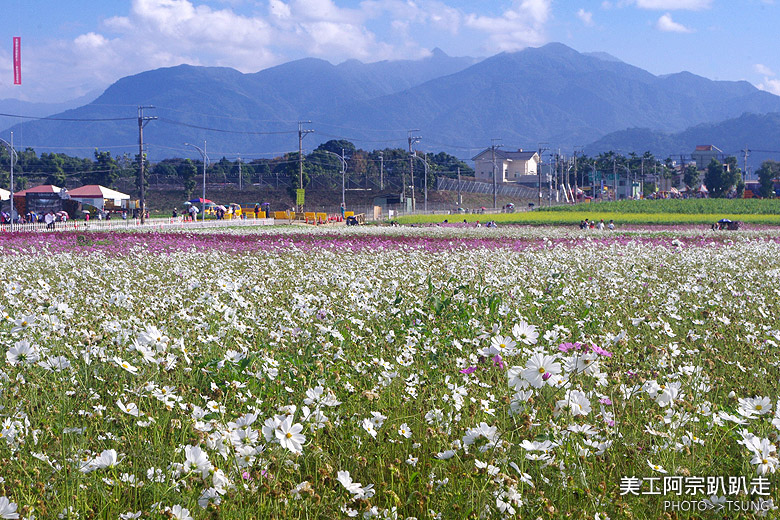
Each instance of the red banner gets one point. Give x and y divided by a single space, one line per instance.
17 60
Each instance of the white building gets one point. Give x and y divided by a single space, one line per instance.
516 166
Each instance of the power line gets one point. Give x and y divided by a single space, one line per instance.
78 120
179 123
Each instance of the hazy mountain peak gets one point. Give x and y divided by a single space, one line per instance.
604 56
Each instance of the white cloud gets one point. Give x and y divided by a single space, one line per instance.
585 16
516 28
763 70
770 85
688 5
250 35
666 24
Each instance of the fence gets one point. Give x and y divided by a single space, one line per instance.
134 224
513 190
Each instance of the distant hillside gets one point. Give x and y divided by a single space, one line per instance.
15 106
759 132
550 94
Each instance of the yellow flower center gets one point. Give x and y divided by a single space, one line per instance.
503 345
289 435
542 370
759 407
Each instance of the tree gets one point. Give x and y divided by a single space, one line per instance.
691 177
52 164
766 175
721 178
187 172
335 146
105 170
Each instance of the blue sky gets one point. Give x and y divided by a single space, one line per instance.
79 46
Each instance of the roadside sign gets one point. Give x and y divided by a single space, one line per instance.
300 193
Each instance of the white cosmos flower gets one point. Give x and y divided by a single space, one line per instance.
404 431
289 435
537 366
501 345
124 365
129 408
356 488
8 508
656 467
56 363
106 459
197 460
368 425
22 352
179 513
525 333
754 406
23 323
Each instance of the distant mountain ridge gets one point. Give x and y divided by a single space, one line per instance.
759 132
550 94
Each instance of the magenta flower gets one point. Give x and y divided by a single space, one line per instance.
497 361
469 370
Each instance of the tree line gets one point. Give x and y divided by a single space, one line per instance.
393 164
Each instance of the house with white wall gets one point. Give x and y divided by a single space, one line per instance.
516 166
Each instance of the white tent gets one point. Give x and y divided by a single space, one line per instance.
4 194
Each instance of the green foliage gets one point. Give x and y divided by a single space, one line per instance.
720 178
766 175
187 171
691 176
105 170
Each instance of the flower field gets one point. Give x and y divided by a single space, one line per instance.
390 373
633 212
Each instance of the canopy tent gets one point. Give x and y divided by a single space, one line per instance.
99 196
95 191
43 188
4 194
200 200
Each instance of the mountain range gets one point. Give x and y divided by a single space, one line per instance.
551 94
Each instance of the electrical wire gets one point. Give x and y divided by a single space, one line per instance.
179 123
78 120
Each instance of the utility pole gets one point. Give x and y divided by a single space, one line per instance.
412 140
301 134
460 197
744 170
142 122
381 170
240 176
576 187
539 171
614 178
13 157
495 173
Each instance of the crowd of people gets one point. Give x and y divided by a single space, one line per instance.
592 224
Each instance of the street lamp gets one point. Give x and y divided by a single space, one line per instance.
205 160
343 175
425 163
14 157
